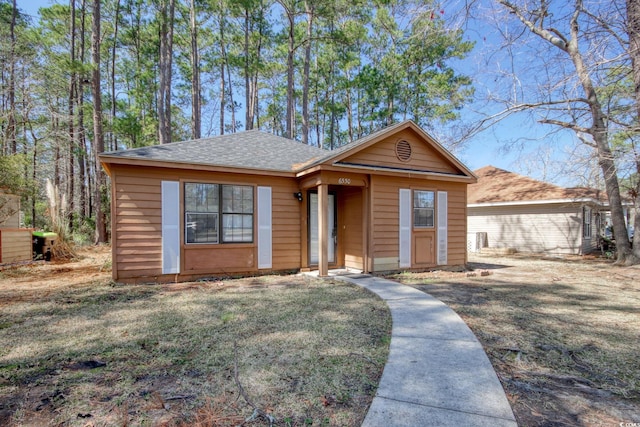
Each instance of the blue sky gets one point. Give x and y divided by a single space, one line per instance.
529 138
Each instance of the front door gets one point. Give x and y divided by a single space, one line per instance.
313 229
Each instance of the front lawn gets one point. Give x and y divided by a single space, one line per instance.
78 349
562 334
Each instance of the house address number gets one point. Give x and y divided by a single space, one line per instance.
344 181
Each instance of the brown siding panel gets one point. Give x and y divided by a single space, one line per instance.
386 221
137 221
137 228
423 156
15 245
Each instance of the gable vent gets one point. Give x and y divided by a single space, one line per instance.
403 150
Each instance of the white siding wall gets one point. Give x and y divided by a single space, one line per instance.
533 228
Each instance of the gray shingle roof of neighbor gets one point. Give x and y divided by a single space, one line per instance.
252 149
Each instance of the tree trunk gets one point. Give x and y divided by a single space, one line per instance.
599 133
633 30
11 120
114 137
305 73
598 129
231 102
349 107
98 136
196 100
71 111
82 138
223 62
291 114
223 97
167 13
248 90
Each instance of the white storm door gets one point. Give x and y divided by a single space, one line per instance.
313 229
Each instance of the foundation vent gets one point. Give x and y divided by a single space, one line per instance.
403 150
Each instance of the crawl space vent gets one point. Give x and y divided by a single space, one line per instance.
403 150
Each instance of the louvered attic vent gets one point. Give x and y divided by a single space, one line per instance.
403 150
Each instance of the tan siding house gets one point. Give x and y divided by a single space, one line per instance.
15 242
512 212
253 203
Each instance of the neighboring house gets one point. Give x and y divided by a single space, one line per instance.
513 212
15 242
253 203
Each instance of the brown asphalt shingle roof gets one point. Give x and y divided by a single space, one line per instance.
498 185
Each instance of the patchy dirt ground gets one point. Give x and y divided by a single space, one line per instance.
562 333
77 349
29 281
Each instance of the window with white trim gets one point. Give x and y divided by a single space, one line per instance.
586 222
218 213
423 208
237 213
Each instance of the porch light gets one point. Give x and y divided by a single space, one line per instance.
298 196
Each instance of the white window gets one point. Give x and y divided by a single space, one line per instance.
237 213
213 207
423 209
586 222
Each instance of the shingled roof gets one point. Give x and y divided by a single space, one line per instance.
500 186
258 151
253 149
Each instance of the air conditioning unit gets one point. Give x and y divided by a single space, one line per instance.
476 241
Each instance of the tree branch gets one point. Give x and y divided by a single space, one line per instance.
257 412
606 27
566 125
550 35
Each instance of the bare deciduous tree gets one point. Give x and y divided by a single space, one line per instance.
569 92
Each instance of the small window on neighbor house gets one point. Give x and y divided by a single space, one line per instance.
586 222
423 208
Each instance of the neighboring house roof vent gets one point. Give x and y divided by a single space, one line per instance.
403 150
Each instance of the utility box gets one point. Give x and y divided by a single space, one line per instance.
42 244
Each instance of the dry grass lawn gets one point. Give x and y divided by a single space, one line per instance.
563 335
80 350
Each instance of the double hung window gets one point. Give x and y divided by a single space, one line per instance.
423 208
237 213
218 213
586 222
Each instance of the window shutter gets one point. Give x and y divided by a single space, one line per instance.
404 211
442 227
170 227
264 228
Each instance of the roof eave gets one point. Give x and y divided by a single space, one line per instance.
537 202
436 176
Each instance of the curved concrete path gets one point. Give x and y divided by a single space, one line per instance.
437 373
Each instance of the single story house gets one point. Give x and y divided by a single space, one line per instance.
253 203
512 212
15 242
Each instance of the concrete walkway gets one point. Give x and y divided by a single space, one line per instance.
437 373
